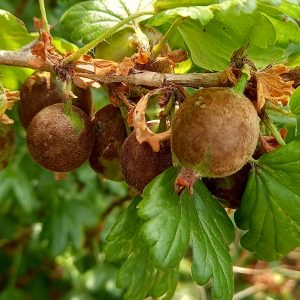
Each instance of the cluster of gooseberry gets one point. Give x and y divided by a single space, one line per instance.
214 134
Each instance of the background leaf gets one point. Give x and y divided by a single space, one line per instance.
270 208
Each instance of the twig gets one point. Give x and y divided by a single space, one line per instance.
154 79
249 291
284 271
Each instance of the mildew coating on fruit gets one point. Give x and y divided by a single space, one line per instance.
229 190
215 132
60 142
7 144
140 164
41 90
110 134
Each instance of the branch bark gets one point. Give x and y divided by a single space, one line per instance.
20 58
24 58
137 77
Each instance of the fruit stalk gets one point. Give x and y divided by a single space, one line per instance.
76 55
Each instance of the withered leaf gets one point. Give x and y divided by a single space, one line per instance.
4 119
143 58
105 67
228 77
125 67
178 56
85 83
143 133
271 86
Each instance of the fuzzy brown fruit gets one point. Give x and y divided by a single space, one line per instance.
140 164
110 134
40 91
229 190
7 144
60 142
215 132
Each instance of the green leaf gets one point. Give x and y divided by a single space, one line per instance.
137 274
14 35
172 221
123 236
295 102
168 226
234 5
16 187
286 31
202 14
262 57
270 208
165 283
212 46
13 32
65 224
87 20
169 4
211 234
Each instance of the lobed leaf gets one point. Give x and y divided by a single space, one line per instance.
211 234
168 226
124 234
172 222
270 208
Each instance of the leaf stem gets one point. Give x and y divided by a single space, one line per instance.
158 47
273 129
164 114
76 55
44 16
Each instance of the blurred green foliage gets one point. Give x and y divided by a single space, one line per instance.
53 232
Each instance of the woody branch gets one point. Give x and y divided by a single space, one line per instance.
24 57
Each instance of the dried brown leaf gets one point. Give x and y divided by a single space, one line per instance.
143 58
4 119
143 133
85 83
105 67
228 77
125 67
161 65
178 56
271 86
